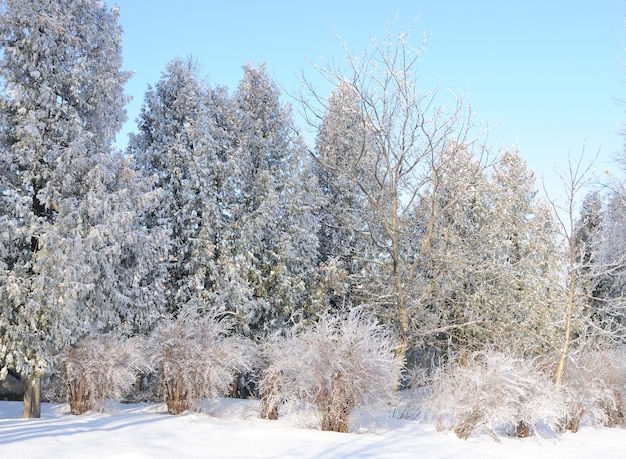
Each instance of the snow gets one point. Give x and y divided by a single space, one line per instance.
231 428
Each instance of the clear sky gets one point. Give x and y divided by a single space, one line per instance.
547 75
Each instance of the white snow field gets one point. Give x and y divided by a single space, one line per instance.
230 428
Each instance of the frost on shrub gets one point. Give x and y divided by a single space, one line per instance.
338 363
594 389
490 392
100 367
281 357
196 357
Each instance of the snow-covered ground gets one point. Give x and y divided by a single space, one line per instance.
231 429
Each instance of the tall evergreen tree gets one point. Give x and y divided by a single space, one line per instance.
501 263
174 146
344 241
67 214
271 239
600 248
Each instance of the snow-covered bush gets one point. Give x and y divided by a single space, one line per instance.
338 363
492 391
196 357
100 367
594 389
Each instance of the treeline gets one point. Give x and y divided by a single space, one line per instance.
218 209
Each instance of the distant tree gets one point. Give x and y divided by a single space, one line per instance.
68 208
598 265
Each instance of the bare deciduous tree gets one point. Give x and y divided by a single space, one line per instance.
395 162
572 293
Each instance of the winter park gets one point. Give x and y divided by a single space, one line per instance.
199 259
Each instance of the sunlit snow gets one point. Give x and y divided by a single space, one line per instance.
231 428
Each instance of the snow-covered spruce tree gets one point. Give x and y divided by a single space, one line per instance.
174 146
100 367
196 356
342 361
269 245
68 214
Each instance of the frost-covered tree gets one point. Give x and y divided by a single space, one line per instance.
173 145
343 231
68 205
526 262
500 260
407 136
597 236
572 290
269 246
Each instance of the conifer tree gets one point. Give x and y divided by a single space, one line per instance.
344 244
501 261
174 146
68 213
270 241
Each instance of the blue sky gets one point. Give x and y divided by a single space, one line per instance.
547 75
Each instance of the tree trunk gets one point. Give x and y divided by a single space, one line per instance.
32 398
268 410
563 353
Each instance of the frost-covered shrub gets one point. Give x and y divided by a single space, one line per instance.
196 357
336 364
281 357
492 391
594 389
100 367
